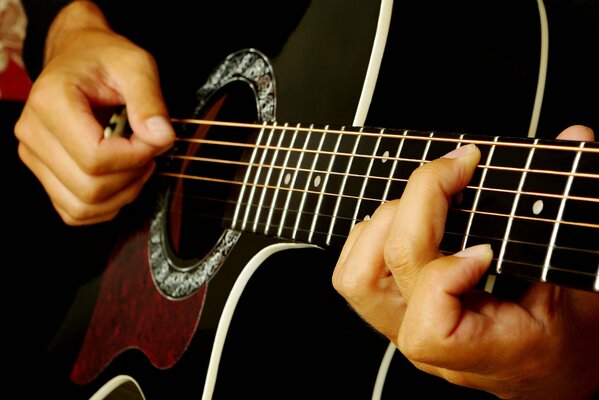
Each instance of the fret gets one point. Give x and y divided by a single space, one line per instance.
252 209
273 175
294 178
438 148
336 146
391 174
246 180
477 195
581 210
336 219
588 211
513 210
458 215
426 150
366 181
381 180
575 238
558 219
275 213
550 160
324 165
308 182
410 156
413 151
357 180
456 221
327 200
583 204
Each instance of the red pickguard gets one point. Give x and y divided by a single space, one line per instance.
133 314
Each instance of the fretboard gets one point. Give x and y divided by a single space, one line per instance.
535 201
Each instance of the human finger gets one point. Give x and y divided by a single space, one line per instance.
72 210
438 328
38 146
419 222
146 109
78 89
577 132
362 278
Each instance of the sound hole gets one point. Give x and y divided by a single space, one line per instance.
202 199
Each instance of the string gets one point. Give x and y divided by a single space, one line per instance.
342 218
390 158
262 226
364 156
407 135
340 154
361 198
393 135
375 177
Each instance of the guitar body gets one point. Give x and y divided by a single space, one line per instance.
157 303
155 310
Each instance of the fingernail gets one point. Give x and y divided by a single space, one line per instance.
478 251
159 127
460 151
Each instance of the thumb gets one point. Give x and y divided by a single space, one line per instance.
439 316
147 111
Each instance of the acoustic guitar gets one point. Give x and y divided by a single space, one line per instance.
241 185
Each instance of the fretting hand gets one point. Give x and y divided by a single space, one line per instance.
391 271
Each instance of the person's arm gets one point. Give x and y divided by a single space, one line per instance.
40 14
86 66
542 346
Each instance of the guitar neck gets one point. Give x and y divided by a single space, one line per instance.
535 201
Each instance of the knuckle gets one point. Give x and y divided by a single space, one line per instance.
89 190
396 253
424 174
77 214
38 93
44 88
138 58
404 263
415 347
353 289
21 129
25 155
90 194
348 287
336 281
89 162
